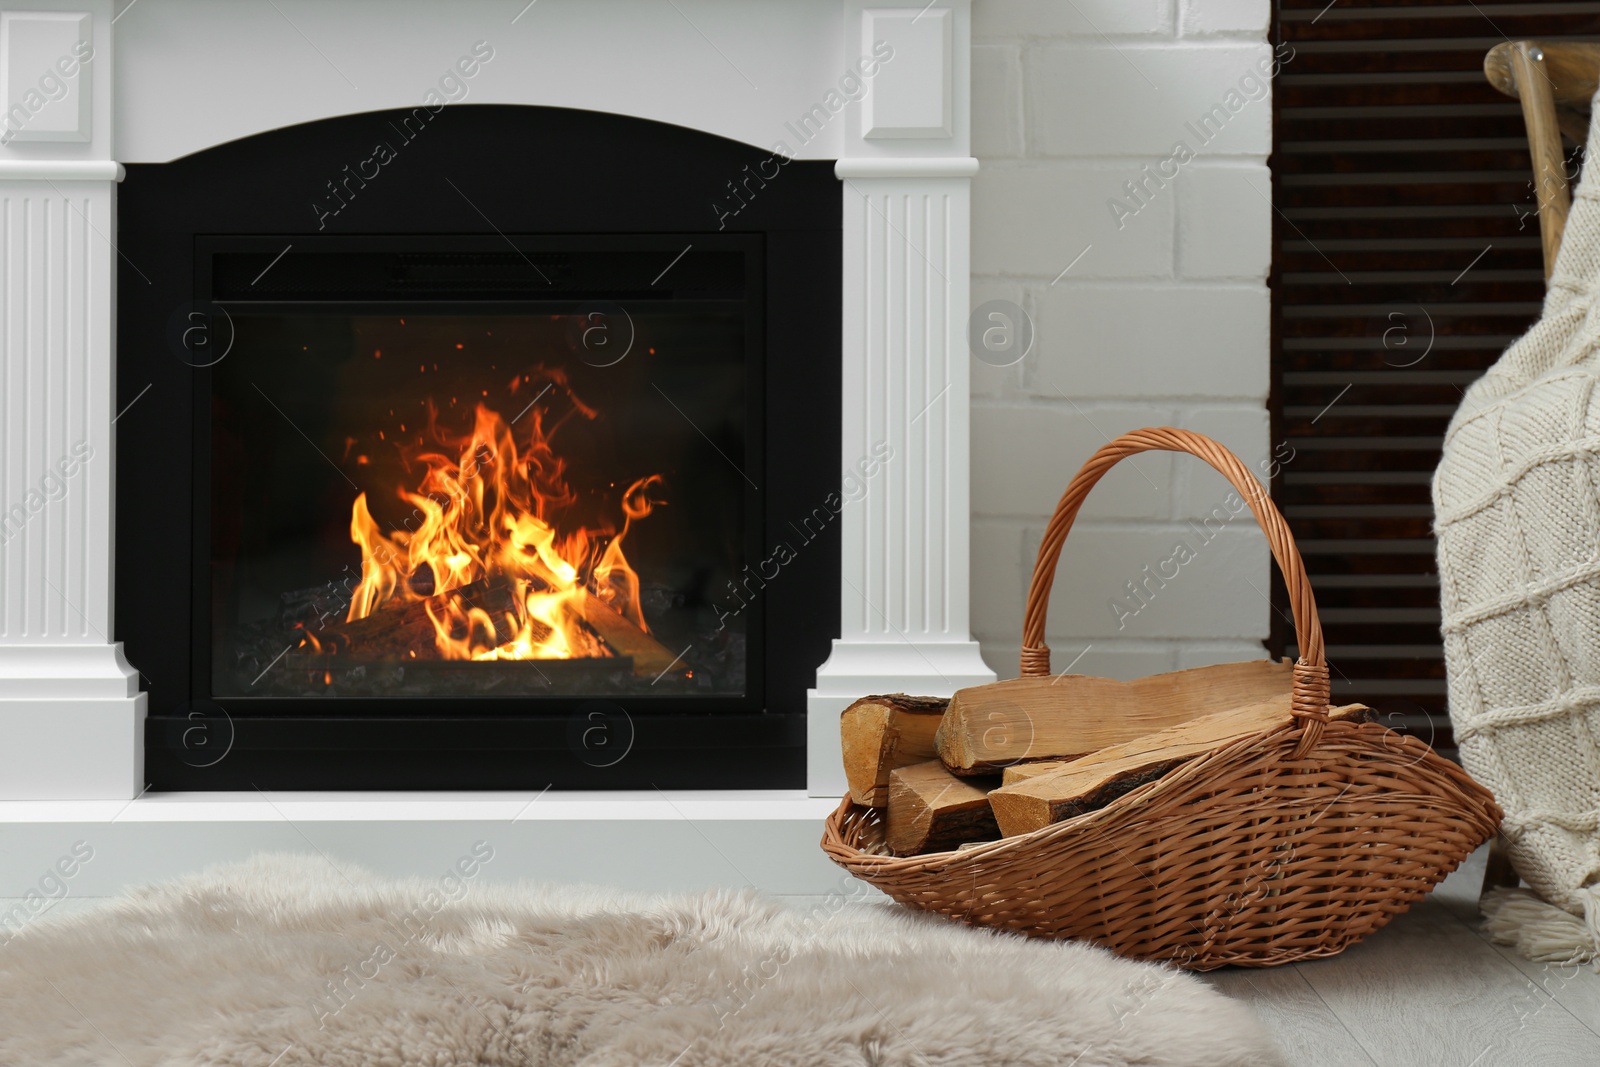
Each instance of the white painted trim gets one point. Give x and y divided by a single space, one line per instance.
747 805
912 99
61 170
94 671
904 596
79 749
659 841
907 167
70 710
192 74
37 45
904 623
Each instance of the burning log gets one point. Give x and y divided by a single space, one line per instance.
651 659
405 631
492 520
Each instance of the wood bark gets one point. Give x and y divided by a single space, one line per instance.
1097 779
931 810
880 733
990 727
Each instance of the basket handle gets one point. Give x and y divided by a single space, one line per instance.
1311 689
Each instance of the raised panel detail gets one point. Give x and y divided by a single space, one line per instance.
45 67
911 95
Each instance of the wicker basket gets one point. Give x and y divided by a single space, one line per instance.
1284 846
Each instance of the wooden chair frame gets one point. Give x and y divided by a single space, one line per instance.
1555 81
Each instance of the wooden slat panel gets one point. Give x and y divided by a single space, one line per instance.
1439 88
1333 124
1405 214
1398 157
1290 495
1348 22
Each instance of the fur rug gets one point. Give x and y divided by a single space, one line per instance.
286 961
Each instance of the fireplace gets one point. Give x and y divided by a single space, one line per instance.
827 145
522 488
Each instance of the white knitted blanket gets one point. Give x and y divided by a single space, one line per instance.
1517 515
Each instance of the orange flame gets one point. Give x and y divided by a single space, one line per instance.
485 515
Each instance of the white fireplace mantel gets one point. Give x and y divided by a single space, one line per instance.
173 77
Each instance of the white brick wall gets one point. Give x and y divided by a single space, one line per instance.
1164 320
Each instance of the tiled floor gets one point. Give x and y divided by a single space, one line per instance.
1428 990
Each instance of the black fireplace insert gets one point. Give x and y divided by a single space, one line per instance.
480 480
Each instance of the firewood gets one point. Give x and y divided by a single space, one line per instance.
1021 772
931 810
403 630
990 727
880 733
651 659
1097 779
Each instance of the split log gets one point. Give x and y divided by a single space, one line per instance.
403 631
880 733
931 810
651 659
1096 780
1021 772
990 727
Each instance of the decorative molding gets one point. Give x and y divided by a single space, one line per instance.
906 167
66 672
907 263
61 170
70 710
906 533
738 70
911 97
56 294
73 749
45 82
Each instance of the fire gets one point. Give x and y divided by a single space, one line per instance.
486 522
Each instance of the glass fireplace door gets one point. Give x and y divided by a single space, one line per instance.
483 474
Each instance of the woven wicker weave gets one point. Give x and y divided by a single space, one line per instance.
1285 846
